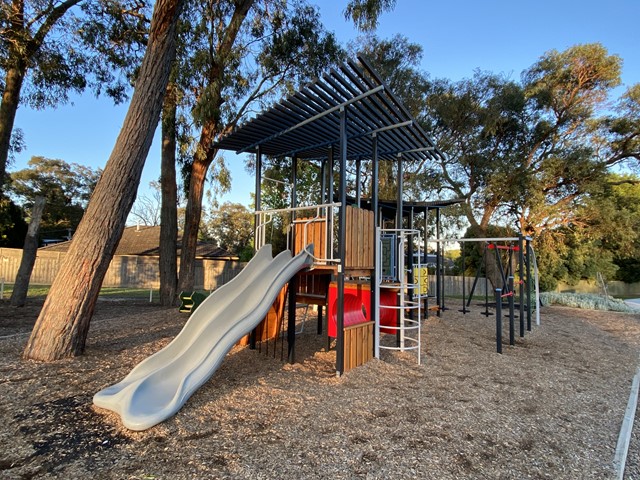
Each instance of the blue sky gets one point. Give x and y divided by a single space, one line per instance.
458 36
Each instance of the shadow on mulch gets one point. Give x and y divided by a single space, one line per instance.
64 431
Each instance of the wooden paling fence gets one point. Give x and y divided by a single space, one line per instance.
126 271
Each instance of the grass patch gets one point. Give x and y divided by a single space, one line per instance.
41 291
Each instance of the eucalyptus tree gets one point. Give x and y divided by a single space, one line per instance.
51 48
66 187
231 227
239 56
567 93
56 194
62 326
528 154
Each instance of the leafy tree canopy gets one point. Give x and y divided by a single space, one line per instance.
66 188
231 227
365 13
13 227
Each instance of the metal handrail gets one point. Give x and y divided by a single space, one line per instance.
324 213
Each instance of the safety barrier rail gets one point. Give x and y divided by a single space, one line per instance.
316 228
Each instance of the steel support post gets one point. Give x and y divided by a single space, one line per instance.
373 280
293 283
342 236
521 283
499 320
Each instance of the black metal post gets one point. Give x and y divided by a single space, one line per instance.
399 226
512 340
373 279
425 253
330 195
293 283
439 274
358 186
499 320
342 236
529 284
320 308
258 206
464 281
410 251
521 283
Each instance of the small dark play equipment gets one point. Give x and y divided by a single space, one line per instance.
189 301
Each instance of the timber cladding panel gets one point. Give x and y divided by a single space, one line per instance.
360 236
358 345
126 271
316 233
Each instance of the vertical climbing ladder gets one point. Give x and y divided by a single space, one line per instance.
394 276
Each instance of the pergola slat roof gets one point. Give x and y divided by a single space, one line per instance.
308 122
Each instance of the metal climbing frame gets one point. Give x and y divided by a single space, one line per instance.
392 249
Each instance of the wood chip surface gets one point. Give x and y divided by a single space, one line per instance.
549 408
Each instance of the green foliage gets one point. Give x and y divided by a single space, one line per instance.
621 145
231 227
397 60
231 63
71 46
114 36
604 238
66 188
13 227
570 85
365 13
276 194
628 270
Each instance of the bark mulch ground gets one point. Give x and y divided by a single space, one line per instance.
550 407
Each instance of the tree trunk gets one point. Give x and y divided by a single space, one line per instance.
169 210
193 214
29 252
10 101
62 327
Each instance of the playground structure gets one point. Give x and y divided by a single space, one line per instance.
514 265
364 269
347 117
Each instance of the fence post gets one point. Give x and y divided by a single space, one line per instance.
499 320
512 340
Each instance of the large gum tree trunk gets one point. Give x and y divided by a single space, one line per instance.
29 252
10 100
62 327
193 215
169 211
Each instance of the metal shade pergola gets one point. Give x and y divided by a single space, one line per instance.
305 124
348 113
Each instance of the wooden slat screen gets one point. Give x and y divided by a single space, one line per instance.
360 238
316 234
358 345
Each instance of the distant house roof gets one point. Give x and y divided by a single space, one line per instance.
143 240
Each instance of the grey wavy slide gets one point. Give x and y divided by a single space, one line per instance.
160 385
